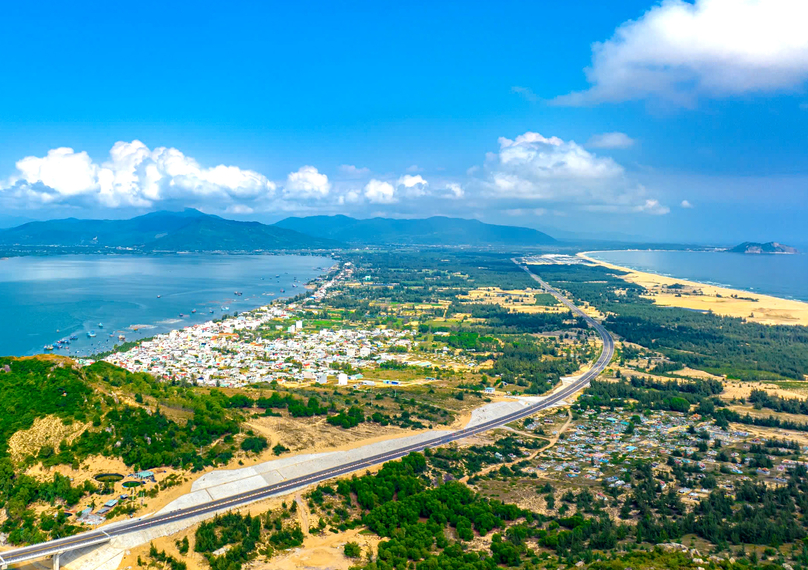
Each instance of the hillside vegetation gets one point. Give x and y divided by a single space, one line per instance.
437 230
189 230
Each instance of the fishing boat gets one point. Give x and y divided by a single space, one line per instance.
91 334
193 310
211 310
121 337
48 347
237 293
158 296
225 308
181 315
73 337
100 325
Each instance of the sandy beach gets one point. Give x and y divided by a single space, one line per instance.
724 301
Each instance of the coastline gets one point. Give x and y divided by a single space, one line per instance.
724 301
164 287
284 298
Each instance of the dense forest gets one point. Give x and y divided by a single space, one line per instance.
536 365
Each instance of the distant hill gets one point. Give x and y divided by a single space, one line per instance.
769 247
436 230
189 230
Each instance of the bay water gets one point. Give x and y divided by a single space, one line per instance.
45 299
779 275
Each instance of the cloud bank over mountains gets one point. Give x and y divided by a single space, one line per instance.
529 172
132 176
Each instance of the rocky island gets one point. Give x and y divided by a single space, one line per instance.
769 247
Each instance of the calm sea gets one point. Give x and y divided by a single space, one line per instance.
45 299
783 276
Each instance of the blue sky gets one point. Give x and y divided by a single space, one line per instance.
690 123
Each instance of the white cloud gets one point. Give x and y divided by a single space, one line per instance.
351 171
454 190
529 173
239 209
536 168
519 212
413 186
409 181
68 172
350 197
134 175
686 204
531 165
414 168
525 92
651 207
307 182
610 140
648 206
380 192
678 51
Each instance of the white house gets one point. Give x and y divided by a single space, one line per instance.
342 379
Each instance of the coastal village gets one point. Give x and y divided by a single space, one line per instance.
235 352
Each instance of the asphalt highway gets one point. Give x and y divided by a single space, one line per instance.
103 535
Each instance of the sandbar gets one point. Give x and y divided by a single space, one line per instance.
754 307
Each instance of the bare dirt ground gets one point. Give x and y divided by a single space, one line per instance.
742 390
775 433
49 430
693 373
322 552
314 434
763 309
520 300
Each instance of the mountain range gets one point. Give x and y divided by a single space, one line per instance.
191 230
437 230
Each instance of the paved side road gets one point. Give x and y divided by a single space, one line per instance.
103 535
